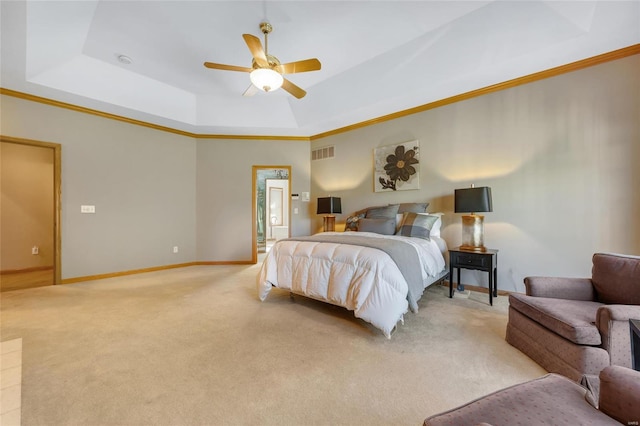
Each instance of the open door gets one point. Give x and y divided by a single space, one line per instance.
30 213
271 206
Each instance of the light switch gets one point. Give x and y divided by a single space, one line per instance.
87 209
295 210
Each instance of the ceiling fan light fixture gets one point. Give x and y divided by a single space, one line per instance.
266 79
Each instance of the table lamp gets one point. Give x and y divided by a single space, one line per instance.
328 206
473 200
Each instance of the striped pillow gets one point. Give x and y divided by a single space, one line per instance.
417 225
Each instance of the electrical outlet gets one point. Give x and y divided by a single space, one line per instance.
175 249
35 250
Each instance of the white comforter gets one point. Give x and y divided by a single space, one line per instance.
362 279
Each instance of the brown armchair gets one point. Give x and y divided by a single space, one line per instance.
578 326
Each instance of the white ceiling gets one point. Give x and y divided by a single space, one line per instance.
378 57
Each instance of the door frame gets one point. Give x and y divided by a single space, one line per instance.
254 205
57 192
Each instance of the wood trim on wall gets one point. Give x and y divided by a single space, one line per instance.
153 269
552 72
57 198
254 137
122 273
85 110
65 105
478 289
26 270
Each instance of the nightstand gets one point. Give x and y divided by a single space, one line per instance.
477 260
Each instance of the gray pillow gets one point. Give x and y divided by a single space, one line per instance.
413 207
379 226
417 225
387 212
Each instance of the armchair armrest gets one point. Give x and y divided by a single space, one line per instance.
560 288
620 394
612 322
608 313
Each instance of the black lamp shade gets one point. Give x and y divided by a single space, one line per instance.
329 205
473 200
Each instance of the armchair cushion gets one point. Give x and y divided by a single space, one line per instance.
616 278
560 288
571 319
550 400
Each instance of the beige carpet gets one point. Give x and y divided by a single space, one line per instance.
195 346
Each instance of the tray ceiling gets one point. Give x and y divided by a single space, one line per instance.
378 57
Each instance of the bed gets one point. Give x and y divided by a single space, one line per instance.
380 277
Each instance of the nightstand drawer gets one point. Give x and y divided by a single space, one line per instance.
471 260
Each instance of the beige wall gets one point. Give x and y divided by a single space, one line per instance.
142 182
561 156
224 197
151 191
27 206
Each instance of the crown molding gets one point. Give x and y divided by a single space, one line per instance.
552 72
77 108
65 105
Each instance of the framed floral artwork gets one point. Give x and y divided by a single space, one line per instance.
397 167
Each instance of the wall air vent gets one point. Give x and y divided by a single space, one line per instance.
323 153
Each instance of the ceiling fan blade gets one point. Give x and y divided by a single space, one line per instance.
255 46
251 90
227 67
293 89
300 66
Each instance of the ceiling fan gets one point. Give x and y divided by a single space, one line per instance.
266 72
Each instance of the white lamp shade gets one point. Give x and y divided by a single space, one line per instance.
266 79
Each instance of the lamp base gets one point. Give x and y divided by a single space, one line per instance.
329 223
473 233
473 248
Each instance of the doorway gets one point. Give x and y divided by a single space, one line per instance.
30 213
271 207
